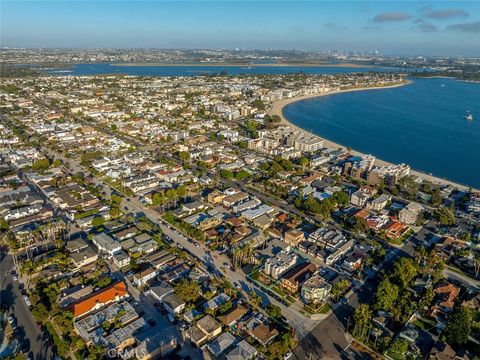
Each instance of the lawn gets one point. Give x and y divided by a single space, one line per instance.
322 309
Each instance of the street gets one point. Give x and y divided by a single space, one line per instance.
27 330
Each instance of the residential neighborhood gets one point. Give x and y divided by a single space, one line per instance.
177 217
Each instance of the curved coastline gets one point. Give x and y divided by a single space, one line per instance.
277 109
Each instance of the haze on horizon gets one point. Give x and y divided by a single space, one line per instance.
391 27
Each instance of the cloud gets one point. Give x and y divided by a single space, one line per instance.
472 27
444 14
334 26
424 26
391 17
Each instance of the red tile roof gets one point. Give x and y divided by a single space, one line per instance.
103 296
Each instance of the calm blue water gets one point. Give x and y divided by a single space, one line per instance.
99 69
420 124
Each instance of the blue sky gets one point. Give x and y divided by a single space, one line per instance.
392 27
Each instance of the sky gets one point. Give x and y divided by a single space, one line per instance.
390 27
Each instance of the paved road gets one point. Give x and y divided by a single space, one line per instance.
302 324
27 329
450 274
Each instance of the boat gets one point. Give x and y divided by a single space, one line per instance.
442 85
468 116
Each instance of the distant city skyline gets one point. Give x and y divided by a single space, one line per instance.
405 28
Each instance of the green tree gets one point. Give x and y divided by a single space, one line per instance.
339 288
362 318
184 155
104 281
303 162
242 174
226 174
116 199
398 350
274 311
255 299
404 271
445 216
341 198
259 104
40 312
41 165
387 295
98 221
3 224
188 290
459 326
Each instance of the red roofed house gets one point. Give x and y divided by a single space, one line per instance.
99 299
446 295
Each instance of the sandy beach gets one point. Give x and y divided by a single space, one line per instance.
277 109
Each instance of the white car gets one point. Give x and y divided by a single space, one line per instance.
287 356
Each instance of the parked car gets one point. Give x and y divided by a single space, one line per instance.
12 321
27 301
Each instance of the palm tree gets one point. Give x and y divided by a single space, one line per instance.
362 319
476 263
376 332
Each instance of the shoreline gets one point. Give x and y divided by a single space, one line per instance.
276 108
287 64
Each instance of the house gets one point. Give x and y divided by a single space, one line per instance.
219 345
395 230
379 202
264 334
106 244
142 277
293 278
155 343
100 298
442 351
233 316
173 304
277 265
446 294
73 294
409 213
127 321
294 237
243 351
315 290
263 222
191 315
121 259
206 328
352 263
215 197
216 302
159 292
84 257
337 254
359 198
76 244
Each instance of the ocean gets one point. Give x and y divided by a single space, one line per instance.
421 124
